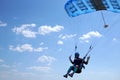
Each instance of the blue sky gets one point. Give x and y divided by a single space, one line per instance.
37 37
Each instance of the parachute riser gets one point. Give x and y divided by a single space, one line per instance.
81 65
90 48
75 48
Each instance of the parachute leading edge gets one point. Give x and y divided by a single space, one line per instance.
77 7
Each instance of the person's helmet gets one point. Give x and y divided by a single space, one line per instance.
76 55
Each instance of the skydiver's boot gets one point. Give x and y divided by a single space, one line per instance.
66 75
71 75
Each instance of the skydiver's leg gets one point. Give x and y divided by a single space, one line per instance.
74 71
69 70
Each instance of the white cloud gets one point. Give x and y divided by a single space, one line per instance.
29 34
48 29
25 30
2 24
40 68
89 35
26 47
66 36
22 48
4 66
114 39
40 49
46 59
1 60
42 43
60 42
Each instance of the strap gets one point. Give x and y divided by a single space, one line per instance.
90 48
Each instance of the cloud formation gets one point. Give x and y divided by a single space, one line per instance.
39 68
3 24
89 35
48 29
25 30
67 36
4 66
114 39
40 49
26 47
46 59
60 42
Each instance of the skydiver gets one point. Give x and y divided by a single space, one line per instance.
78 64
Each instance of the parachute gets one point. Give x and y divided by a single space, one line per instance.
78 7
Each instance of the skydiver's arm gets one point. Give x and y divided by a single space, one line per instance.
86 62
71 60
83 66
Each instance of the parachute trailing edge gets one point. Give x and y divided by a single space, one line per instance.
77 7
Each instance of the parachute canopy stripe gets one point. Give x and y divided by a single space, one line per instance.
77 7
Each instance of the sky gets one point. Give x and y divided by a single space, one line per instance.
37 37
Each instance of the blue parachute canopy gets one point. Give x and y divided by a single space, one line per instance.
77 7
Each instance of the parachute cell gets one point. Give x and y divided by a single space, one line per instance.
77 7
